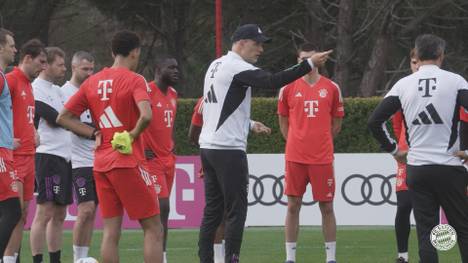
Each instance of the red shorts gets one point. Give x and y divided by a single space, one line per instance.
320 176
8 187
129 188
162 174
25 170
401 178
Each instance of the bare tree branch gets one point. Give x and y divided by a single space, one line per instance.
153 26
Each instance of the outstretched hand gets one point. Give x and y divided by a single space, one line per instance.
320 58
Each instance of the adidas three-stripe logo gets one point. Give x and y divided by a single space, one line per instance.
428 116
211 96
108 119
2 166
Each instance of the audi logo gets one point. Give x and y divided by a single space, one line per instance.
375 189
268 190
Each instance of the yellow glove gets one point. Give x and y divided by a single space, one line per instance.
122 142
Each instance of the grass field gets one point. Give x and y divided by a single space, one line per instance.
266 245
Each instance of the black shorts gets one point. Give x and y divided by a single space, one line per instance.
53 179
83 182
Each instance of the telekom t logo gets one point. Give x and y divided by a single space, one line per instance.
311 107
427 86
104 88
168 117
30 113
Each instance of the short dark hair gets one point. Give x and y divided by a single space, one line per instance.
124 41
33 48
412 53
53 52
161 58
429 47
306 47
3 35
80 55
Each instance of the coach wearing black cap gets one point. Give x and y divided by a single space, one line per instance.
250 31
223 139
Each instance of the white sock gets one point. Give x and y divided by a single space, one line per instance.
79 252
9 259
164 257
403 255
330 249
224 249
218 252
290 251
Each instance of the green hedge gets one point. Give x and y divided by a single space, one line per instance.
354 136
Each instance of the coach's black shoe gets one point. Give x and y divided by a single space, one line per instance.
289 261
400 260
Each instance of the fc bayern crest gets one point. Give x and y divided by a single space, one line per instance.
443 237
323 93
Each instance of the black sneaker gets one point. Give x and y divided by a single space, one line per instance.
400 260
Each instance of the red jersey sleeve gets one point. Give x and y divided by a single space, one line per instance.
197 116
140 90
283 107
463 114
78 103
338 108
397 121
12 83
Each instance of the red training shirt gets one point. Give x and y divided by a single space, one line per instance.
463 115
400 131
159 135
22 99
197 116
310 109
112 96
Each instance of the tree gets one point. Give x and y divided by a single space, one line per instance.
344 45
28 19
371 38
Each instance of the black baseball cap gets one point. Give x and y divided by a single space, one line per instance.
250 31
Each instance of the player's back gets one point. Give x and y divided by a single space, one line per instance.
429 103
227 101
112 96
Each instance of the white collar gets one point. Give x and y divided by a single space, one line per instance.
44 82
